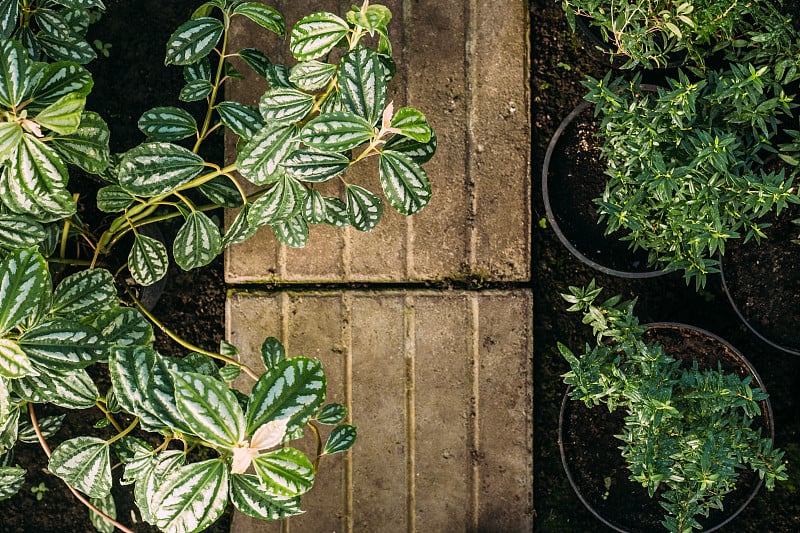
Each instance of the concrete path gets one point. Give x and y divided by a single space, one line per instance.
439 383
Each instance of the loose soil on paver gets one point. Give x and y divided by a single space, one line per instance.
559 63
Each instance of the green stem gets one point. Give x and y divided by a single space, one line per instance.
318 437
123 433
109 416
203 133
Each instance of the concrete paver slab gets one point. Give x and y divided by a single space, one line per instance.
439 385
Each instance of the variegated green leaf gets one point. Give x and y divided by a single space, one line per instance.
263 15
9 426
60 79
229 373
285 472
240 230
131 370
315 209
15 73
315 35
71 49
20 231
37 182
294 388
52 23
48 425
83 4
258 61
5 400
243 120
336 132
23 279
207 8
113 198
63 344
362 84
341 439
159 397
331 414
282 202
85 293
404 182
201 70
222 192
157 168
191 497
210 408
419 152
78 20
124 326
314 166
64 115
259 161
195 90
337 212
10 137
373 18
292 232
250 495
198 241
71 389
9 14
13 361
312 75
129 448
412 123
285 105
84 463
11 477
148 260
272 352
109 508
86 147
193 40
149 477
364 209
167 124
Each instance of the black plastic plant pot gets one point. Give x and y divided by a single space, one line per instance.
593 462
572 177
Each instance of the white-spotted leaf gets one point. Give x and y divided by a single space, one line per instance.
85 293
83 462
23 279
265 16
336 132
312 75
259 161
314 166
292 232
243 120
156 168
63 344
362 84
71 389
210 408
193 40
364 209
191 497
285 105
167 124
404 182
341 439
250 495
148 260
198 241
87 146
282 202
11 477
286 472
315 35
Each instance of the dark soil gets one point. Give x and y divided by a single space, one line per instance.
132 80
560 62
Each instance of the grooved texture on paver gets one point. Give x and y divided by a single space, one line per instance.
440 387
464 64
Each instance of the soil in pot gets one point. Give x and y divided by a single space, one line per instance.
596 465
763 281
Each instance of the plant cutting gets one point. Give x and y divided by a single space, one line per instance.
649 34
689 432
73 332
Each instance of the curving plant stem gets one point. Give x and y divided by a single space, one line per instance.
78 495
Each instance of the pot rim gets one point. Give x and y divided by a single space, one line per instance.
743 319
768 413
551 215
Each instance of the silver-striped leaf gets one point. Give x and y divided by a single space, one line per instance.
113 198
130 449
364 209
240 230
272 352
250 495
131 370
10 137
285 105
9 14
9 427
259 161
341 439
362 84
86 147
198 241
23 280
63 345
222 192
71 389
5 401
336 132
242 120
375 17
200 70
11 477
156 168
315 35
419 152
52 23
13 361
191 497
37 182
286 472
315 209
294 388
84 463
85 293
148 260
282 202
210 408
71 49
265 16
193 40
59 79
15 73
124 326
412 123
109 508
20 231
83 4
312 75
405 183
314 166
337 212
195 91
331 414
64 115
159 397
167 124
292 232
258 61
149 478
48 425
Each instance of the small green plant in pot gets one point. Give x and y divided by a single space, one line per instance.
685 166
71 322
688 432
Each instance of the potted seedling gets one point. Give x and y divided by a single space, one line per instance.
69 287
691 420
